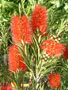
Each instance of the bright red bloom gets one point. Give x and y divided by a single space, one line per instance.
59 49
15 60
65 55
16 29
21 29
6 87
39 18
53 48
26 30
54 80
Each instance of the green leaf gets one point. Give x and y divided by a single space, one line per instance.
66 6
61 27
56 3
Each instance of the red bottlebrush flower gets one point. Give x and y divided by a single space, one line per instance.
16 28
59 49
6 87
65 55
54 80
15 60
53 48
39 18
21 29
26 30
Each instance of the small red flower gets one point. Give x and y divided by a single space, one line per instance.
39 18
16 29
54 80
53 48
65 55
15 60
6 87
26 30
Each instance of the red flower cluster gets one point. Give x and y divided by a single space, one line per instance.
54 80
65 55
39 18
53 48
15 60
22 28
6 87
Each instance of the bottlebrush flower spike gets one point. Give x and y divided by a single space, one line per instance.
53 48
54 80
39 18
16 29
65 55
15 60
26 30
